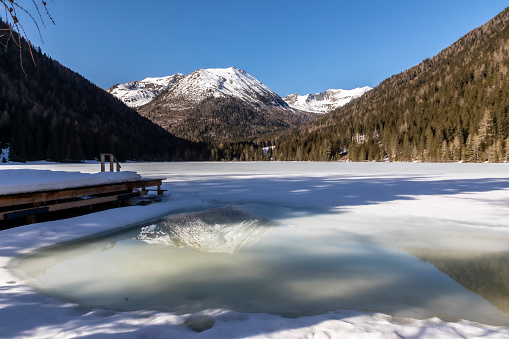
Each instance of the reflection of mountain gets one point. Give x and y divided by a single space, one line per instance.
484 273
223 230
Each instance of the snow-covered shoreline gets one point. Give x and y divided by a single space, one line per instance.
466 195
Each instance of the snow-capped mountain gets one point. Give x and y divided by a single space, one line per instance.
137 93
324 102
221 104
216 83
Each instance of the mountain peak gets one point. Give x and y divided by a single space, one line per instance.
324 102
220 82
221 104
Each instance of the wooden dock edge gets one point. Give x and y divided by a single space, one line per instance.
25 208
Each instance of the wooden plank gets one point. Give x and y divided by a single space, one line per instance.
65 205
45 201
23 213
103 161
36 197
28 198
82 203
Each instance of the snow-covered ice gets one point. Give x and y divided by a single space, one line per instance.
445 206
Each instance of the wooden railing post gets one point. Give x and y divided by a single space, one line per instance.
112 159
103 159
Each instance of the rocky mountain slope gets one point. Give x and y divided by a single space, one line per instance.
324 102
221 104
137 93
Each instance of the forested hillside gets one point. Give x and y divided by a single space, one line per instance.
50 112
451 107
225 119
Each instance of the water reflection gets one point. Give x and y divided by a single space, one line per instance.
221 230
486 274
229 258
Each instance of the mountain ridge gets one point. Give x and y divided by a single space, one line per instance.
138 93
219 82
326 101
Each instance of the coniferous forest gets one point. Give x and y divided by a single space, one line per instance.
50 112
452 107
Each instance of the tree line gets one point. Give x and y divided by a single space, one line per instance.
49 112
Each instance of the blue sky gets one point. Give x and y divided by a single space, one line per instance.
290 46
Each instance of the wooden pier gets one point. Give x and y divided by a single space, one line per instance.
26 208
50 204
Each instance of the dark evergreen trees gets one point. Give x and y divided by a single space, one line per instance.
451 107
50 112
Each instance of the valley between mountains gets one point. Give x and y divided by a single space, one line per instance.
224 104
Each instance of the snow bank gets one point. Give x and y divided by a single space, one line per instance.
30 180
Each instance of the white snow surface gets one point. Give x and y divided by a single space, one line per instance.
138 93
434 203
4 154
29 180
324 102
220 82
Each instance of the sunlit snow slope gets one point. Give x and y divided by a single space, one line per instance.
219 82
137 93
324 102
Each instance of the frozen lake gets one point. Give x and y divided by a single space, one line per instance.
293 239
294 246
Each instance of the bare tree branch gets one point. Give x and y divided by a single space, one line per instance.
11 8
